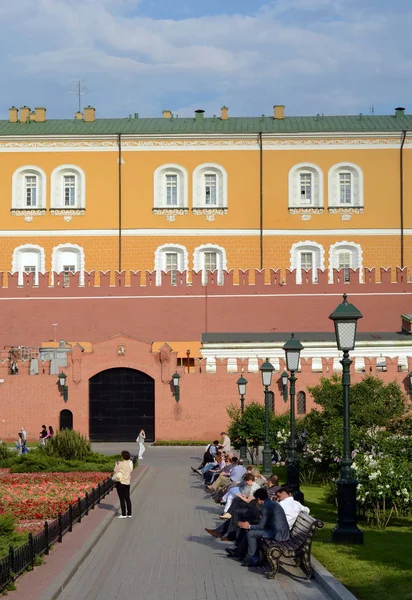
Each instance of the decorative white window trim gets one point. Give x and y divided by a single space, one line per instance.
294 186
28 213
68 214
71 247
334 203
160 192
199 201
57 200
199 261
160 259
356 254
295 258
209 213
18 202
16 266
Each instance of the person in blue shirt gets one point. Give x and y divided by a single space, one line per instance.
273 525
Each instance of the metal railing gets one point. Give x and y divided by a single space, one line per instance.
24 556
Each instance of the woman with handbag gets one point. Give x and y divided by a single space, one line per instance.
121 476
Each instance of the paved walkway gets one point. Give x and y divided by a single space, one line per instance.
163 553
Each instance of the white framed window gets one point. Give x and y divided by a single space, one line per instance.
29 188
68 258
210 258
305 256
305 186
345 182
170 258
170 187
68 188
209 186
345 256
28 258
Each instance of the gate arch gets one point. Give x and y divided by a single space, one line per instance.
121 402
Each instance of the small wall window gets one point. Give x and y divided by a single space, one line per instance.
209 186
170 187
66 259
345 186
68 188
210 259
29 188
345 256
170 258
301 403
28 259
305 186
307 256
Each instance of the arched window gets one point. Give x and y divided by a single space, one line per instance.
68 188
345 186
305 186
210 258
170 258
345 256
68 258
28 258
29 189
301 403
209 186
170 187
305 256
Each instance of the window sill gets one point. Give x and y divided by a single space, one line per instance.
28 213
345 210
302 210
209 212
170 212
67 213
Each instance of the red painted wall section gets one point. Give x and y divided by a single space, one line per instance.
30 401
185 311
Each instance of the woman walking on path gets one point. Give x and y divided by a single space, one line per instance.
124 469
140 441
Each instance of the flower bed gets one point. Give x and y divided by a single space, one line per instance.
35 497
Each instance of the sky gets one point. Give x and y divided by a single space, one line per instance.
145 56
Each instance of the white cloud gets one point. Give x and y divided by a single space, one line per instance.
314 55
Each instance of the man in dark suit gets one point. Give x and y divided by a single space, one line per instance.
272 525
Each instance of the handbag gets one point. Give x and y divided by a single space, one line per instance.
116 477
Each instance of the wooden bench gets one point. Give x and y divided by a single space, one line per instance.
297 547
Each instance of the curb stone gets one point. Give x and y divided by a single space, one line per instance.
61 581
333 587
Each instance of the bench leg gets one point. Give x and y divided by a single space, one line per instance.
306 562
273 557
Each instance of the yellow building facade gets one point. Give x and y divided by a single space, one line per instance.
219 193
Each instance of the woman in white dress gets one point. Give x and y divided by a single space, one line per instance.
140 442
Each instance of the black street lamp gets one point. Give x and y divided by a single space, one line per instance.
345 319
64 389
176 386
241 384
292 350
267 369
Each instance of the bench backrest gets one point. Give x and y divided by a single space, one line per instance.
304 527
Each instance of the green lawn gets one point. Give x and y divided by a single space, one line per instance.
381 569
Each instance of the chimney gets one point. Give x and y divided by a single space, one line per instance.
279 111
224 113
199 114
406 324
89 114
399 112
167 114
78 115
39 114
13 114
24 114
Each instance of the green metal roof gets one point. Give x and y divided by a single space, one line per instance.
212 125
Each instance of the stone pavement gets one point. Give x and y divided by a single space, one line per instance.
163 552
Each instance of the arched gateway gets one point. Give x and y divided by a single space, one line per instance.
121 402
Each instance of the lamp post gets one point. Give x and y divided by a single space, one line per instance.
64 389
176 386
267 369
241 384
285 379
345 318
292 350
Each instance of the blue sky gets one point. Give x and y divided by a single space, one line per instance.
314 56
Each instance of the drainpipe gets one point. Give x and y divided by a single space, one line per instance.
261 197
119 173
404 132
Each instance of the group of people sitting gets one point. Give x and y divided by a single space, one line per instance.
254 508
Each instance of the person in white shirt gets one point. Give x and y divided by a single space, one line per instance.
140 442
291 507
225 443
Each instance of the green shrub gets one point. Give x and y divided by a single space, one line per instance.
7 523
4 451
68 444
